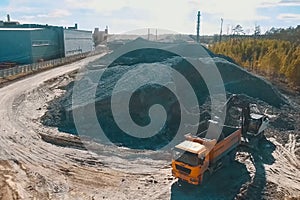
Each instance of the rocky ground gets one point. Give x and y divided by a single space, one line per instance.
39 162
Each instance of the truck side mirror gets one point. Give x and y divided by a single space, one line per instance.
201 159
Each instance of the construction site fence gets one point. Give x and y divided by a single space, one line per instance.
30 68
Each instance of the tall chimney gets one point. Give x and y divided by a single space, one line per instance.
198 27
221 31
76 26
8 18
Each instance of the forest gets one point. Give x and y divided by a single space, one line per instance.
275 54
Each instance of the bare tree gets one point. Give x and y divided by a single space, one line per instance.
238 30
257 30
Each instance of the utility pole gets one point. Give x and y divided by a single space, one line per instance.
198 27
221 31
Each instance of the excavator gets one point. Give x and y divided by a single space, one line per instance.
196 158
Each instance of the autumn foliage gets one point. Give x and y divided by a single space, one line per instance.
269 55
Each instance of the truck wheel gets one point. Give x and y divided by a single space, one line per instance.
180 182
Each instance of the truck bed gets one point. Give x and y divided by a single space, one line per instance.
229 140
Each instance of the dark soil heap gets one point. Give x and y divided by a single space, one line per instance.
236 80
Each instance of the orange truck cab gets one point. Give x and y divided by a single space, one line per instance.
197 157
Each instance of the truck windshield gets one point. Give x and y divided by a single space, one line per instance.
186 157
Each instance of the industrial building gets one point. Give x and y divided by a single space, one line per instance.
29 43
77 41
100 37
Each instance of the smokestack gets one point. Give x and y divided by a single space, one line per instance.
198 27
76 26
8 18
221 31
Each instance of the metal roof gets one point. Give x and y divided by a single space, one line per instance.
20 29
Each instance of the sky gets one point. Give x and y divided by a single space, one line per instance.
179 16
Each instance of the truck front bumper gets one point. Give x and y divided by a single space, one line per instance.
186 178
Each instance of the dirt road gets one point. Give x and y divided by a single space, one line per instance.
31 168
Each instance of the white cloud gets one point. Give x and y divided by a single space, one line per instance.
288 3
57 13
289 16
165 14
232 9
125 15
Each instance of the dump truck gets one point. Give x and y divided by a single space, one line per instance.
196 158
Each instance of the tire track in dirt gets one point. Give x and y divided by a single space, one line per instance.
7 191
19 142
42 170
285 171
47 171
